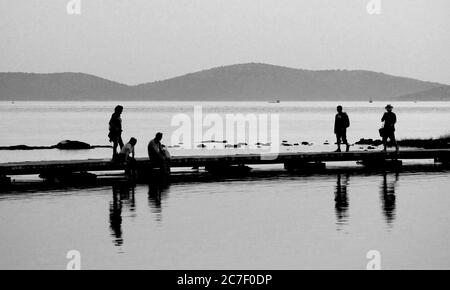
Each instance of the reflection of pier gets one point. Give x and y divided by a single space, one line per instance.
305 161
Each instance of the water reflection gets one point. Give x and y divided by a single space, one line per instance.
341 204
123 196
157 191
388 199
387 195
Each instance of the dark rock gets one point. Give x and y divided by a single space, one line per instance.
72 145
370 142
305 143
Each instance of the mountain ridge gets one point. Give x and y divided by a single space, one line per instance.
239 82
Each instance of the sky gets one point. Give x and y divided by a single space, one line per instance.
137 41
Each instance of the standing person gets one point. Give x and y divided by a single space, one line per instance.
341 123
115 129
390 119
158 154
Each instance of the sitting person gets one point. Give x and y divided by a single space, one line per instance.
127 150
127 155
158 153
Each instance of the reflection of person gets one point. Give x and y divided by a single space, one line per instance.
156 192
122 195
158 154
341 123
388 198
341 199
390 119
115 129
115 217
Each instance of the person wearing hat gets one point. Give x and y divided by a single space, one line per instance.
389 119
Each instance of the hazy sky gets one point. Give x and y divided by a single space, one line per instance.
134 41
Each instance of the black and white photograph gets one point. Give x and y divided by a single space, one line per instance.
224 135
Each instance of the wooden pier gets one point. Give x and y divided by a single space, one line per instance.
290 161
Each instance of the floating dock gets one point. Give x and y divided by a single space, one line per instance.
290 161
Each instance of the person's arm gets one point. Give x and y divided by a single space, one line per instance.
347 121
132 152
394 119
383 118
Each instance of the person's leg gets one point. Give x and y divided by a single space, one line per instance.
120 141
394 141
344 140
115 144
338 141
385 142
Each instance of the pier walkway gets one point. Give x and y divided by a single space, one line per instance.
290 161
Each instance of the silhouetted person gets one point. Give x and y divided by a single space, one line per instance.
388 198
388 131
127 151
158 154
341 199
127 155
341 123
115 129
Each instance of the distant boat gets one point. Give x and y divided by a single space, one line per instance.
371 100
276 102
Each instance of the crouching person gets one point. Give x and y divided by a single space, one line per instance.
158 154
127 155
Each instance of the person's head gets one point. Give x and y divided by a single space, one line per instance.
339 109
118 109
133 141
389 108
158 136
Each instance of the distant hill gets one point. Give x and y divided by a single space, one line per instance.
434 94
241 82
59 87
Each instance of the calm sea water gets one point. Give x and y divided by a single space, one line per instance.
281 221
47 123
